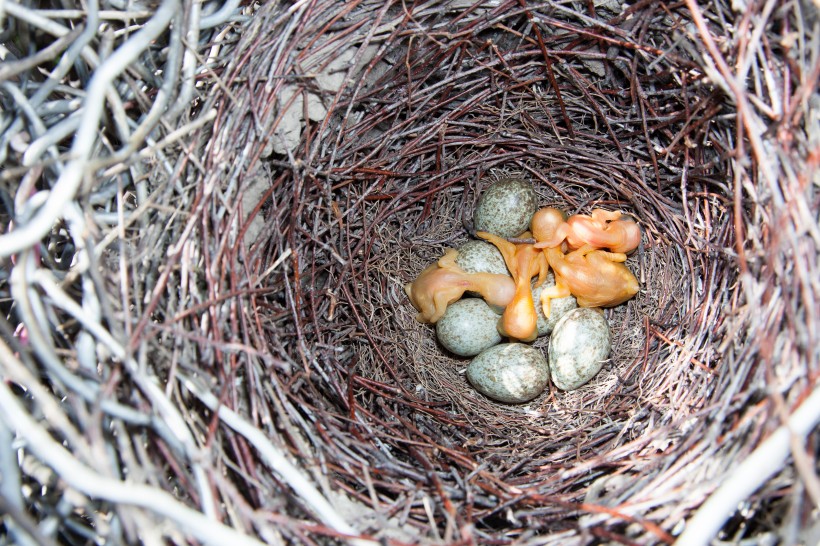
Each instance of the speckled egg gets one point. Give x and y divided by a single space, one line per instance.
468 327
511 372
579 345
558 307
506 208
481 257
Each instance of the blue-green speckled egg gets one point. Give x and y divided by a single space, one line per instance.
481 257
468 327
579 346
510 372
506 208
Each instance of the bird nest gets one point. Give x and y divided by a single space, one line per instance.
208 220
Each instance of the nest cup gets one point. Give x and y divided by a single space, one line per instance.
611 109
349 146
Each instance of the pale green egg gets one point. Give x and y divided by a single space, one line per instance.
510 372
506 208
481 257
468 327
579 346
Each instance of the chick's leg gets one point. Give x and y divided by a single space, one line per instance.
560 290
612 256
580 253
543 268
584 251
441 300
448 261
506 248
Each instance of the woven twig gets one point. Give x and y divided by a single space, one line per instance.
206 308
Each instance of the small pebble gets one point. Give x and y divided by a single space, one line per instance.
506 208
511 372
468 327
579 345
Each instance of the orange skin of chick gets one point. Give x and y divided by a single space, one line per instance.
443 282
595 277
524 261
603 229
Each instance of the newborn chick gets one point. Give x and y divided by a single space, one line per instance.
443 282
595 277
524 261
549 227
603 229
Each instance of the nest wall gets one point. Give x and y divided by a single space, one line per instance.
340 148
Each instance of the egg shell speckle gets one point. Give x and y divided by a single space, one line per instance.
579 345
506 208
558 307
481 257
511 372
468 327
